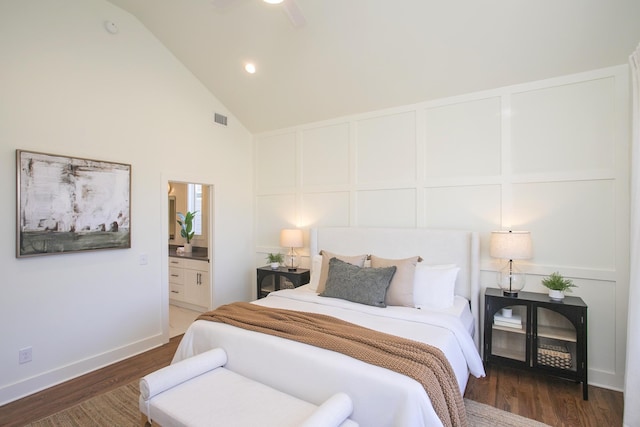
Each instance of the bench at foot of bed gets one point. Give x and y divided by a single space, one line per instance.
199 391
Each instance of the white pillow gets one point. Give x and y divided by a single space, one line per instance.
434 286
316 266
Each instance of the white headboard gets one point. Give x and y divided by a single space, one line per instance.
434 246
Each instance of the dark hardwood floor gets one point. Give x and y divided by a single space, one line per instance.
552 401
65 395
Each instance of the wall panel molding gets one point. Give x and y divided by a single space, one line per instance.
549 156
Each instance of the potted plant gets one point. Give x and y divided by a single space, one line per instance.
186 228
557 285
275 260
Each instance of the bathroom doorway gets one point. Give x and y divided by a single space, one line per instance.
190 274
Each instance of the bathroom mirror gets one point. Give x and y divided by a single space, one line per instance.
172 217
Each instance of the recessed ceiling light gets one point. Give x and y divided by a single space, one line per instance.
273 1
250 68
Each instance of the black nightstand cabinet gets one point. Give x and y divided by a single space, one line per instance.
269 280
550 338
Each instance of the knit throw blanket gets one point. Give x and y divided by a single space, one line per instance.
422 362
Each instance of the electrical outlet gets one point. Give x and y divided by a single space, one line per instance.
24 355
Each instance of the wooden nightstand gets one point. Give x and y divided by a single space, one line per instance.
270 280
542 334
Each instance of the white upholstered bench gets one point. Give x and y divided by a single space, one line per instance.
199 392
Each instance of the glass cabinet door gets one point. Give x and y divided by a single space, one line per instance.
509 333
267 283
555 341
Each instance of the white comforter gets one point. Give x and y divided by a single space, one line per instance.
381 397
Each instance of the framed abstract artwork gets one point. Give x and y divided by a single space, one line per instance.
68 204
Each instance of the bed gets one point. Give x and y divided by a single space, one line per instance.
381 397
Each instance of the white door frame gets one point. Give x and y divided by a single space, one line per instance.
164 251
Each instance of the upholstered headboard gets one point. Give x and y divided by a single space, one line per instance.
434 246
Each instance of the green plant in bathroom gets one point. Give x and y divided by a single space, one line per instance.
186 224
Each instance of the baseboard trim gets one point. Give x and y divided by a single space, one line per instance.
34 384
604 379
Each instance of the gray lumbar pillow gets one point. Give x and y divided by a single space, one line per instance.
362 285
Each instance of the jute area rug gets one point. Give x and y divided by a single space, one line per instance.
119 408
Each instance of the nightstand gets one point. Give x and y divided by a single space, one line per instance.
534 332
270 280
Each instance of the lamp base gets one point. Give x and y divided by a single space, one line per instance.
510 280
291 260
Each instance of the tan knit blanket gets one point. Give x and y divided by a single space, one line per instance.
422 362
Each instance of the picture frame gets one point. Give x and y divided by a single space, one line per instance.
70 204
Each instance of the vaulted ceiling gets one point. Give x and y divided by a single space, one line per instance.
353 56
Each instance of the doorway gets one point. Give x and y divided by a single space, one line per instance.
190 274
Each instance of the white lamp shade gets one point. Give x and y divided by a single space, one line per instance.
291 238
511 244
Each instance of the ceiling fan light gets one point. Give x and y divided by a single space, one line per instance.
250 68
273 1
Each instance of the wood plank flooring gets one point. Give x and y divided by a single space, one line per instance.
65 395
552 401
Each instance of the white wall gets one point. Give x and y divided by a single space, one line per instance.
550 157
69 87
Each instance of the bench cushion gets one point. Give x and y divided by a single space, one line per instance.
226 398
198 391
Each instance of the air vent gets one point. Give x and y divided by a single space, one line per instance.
220 119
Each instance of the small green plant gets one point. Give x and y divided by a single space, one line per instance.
186 224
556 282
275 257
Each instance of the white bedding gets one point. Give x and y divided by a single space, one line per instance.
381 397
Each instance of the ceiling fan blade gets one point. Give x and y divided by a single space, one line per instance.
294 13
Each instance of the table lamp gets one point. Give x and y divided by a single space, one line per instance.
291 238
511 245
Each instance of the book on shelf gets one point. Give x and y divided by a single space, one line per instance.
507 324
514 319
